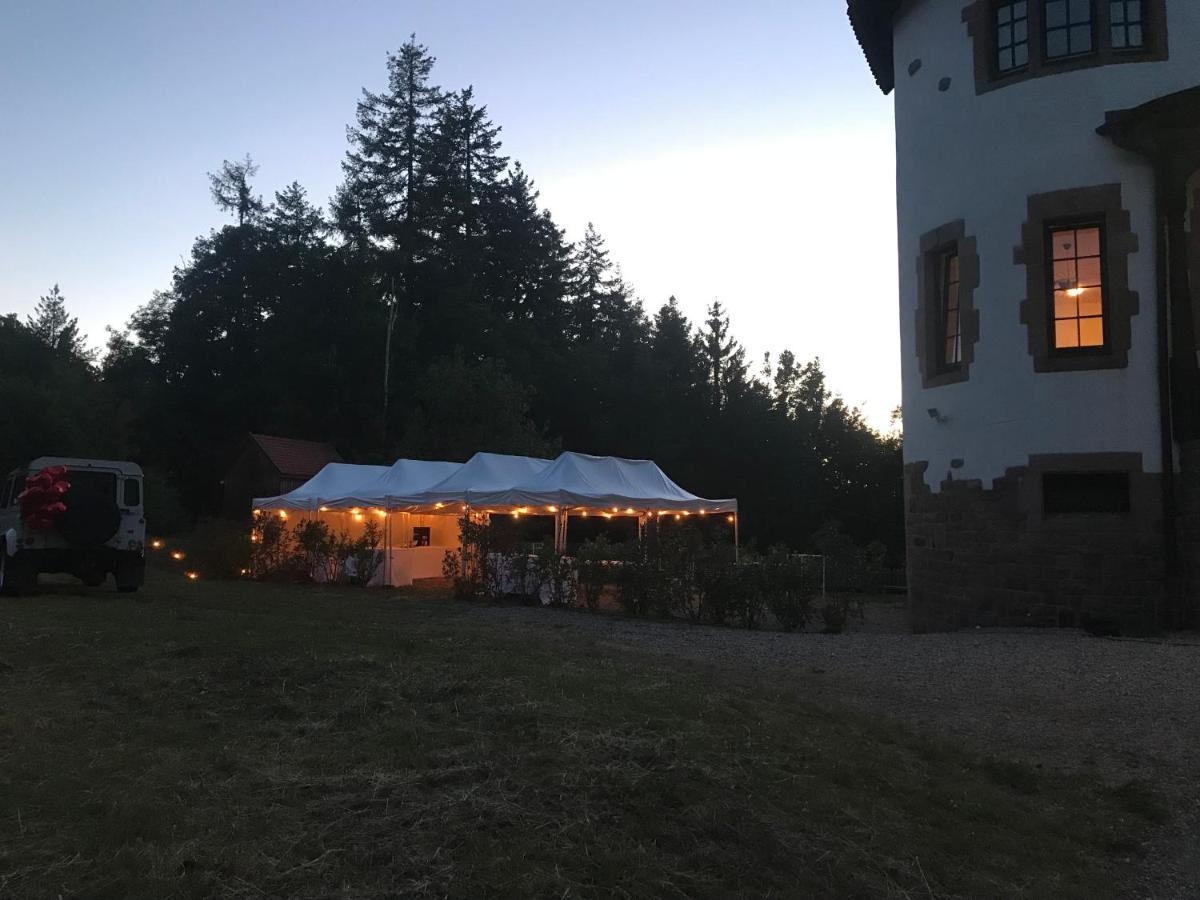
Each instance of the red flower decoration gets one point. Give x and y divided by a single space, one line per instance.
41 500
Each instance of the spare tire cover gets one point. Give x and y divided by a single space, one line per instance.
91 517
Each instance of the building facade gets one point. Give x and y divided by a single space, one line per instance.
1048 197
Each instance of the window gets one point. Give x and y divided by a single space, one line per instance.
1077 287
1125 17
950 339
947 326
1075 493
421 536
1012 36
1068 28
1079 306
1015 40
132 492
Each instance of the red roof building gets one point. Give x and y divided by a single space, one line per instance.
270 465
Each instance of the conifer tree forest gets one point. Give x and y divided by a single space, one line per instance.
432 310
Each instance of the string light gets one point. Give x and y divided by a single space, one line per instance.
516 514
704 512
629 512
192 576
323 509
676 517
282 514
177 554
358 516
731 518
156 544
552 509
608 515
584 513
438 505
245 571
382 513
254 538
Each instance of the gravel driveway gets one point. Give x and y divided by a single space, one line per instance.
1062 700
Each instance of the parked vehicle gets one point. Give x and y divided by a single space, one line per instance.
99 529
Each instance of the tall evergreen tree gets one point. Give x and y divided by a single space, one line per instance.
725 358
232 192
57 329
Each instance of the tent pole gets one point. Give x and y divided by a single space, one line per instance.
736 539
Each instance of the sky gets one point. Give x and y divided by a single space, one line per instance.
737 151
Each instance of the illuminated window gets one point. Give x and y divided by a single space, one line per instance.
950 338
1068 28
1012 36
1126 19
1078 285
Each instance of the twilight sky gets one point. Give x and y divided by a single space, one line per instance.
738 151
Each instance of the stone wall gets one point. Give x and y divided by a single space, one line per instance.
989 556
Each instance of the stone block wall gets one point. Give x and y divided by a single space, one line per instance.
989 556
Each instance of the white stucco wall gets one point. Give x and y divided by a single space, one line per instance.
978 158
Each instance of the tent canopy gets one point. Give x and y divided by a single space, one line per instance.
483 473
495 481
404 478
578 480
343 485
334 481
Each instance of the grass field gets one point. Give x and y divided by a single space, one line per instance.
243 740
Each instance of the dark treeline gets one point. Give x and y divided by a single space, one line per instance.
436 273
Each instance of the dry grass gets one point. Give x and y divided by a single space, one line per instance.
248 740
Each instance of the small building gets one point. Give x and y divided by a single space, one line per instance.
269 466
1048 177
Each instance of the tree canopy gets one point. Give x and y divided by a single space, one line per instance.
437 262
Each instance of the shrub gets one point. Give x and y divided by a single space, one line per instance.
790 586
317 549
359 557
749 593
837 611
593 563
271 552
219 548
848 566
555 574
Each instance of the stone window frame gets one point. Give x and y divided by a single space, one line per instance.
1100 204
949 238
980 20
1145 489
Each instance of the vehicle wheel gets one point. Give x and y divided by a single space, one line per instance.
130 574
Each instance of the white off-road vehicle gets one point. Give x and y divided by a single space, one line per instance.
102 529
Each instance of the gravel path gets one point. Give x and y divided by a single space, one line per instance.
1061 700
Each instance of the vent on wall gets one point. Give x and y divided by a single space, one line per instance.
1067 493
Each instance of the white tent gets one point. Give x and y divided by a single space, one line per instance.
483 474
580 481
328 487
404 478
344 485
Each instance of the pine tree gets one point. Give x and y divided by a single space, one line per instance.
384 169
724 357
293 220
58 330
231 190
